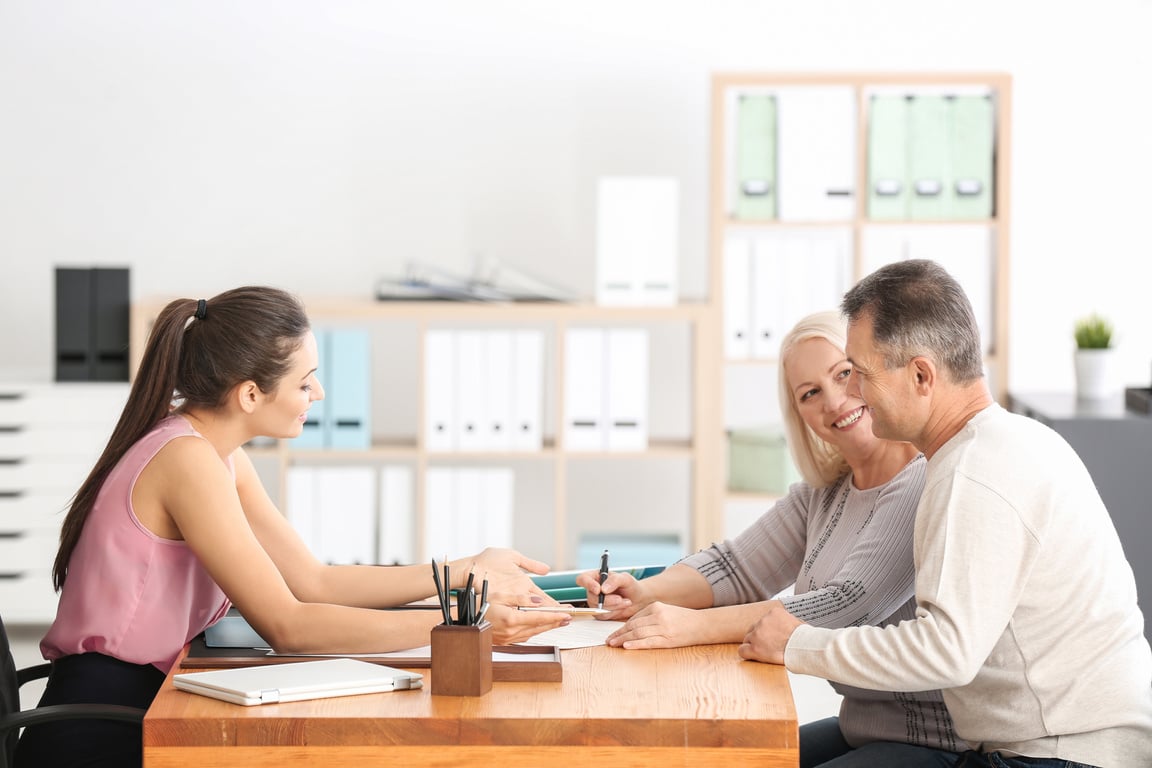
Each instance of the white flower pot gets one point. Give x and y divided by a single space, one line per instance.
1095 379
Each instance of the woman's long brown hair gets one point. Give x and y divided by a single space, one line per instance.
245 334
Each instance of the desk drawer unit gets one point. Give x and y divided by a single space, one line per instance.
50 436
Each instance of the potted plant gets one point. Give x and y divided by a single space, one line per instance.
1093 357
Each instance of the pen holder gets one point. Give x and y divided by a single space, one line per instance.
461 659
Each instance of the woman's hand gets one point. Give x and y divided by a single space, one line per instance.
623 594
512 626
660 625
504 569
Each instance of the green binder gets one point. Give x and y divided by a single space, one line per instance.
929 157
888 158
756 157
973 141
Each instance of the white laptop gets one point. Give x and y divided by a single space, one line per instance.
296 681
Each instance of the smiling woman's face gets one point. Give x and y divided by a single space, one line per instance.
817 373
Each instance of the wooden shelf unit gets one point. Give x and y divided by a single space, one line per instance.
702 449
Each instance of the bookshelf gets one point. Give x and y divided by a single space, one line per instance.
567 483
814 199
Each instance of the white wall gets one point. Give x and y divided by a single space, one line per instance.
319 145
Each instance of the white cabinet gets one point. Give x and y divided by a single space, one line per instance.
50 437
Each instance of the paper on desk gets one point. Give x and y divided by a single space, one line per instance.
581 633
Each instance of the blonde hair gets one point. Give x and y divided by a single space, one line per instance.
819 463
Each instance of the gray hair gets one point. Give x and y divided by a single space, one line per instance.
918 309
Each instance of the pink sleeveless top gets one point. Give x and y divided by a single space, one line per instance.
131 594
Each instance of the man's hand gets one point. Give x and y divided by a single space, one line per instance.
768 637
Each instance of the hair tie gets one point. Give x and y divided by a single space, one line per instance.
201 309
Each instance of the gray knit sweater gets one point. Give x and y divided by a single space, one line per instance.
849 553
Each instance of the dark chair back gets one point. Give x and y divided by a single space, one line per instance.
9 695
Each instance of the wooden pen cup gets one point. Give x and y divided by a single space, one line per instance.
461 659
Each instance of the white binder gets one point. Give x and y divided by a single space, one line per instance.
439 390
627 380
300 504
770 286
347 514
471 390
396 545
737 298
497 486
439 506
637 240
584 390
817 153
526 408
496 428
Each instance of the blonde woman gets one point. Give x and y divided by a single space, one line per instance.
843 537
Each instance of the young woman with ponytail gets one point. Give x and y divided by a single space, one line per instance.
173 526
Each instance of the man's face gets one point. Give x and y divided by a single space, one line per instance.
889 393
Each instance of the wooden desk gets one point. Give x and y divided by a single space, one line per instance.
678 707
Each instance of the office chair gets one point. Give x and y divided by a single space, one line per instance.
12 719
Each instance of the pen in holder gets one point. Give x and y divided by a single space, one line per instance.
462 659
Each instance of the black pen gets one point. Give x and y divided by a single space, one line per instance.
441 595
603 577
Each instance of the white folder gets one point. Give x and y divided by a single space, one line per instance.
770 286
300 504
637 240
527 395
347 514
817 153
396 545
496 428
471 390
818 274
468 512
737 298
584 373
439 506
296 681
627 401
497 486
440 390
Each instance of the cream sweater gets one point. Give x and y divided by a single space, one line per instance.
1026 606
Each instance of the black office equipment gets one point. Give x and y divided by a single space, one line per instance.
92 314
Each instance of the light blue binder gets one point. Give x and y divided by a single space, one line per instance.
347 414
312 436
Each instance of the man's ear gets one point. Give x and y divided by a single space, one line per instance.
924 371
248 396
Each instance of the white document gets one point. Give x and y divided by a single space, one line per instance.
439 390
497 425
817 153
396 544
584 373
471 390
580 633
737 298
527 391
627 399
637 240
296 681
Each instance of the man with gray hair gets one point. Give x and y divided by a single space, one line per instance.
1026 606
